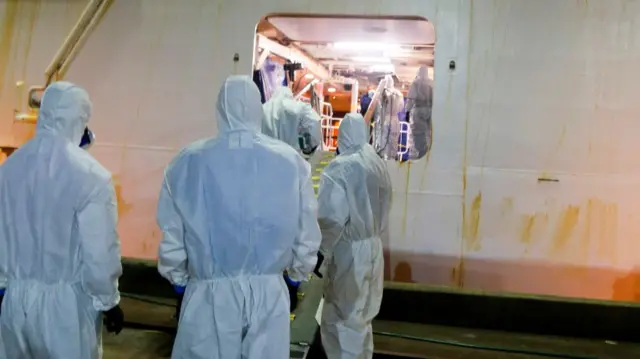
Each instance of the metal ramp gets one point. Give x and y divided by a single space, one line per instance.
318 167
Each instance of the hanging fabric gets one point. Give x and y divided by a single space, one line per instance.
273 77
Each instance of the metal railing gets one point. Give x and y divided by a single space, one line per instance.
331 125
406 131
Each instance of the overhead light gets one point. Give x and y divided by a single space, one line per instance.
374 60
383 68
366 46
331 89
308 76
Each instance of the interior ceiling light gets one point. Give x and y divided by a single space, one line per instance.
383 68
373 60
380 46
331 89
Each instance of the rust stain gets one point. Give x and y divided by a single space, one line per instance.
532 225
403 273
7 32
471 228
585 238
601 225
565 227
507 206
457 274
529 222
123 205
627 288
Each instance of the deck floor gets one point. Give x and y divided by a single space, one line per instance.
145 344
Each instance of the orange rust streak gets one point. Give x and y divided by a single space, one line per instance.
123 206
532 225
565 227
473 225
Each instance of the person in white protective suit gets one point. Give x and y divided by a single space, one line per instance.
236 211
354 201
289 121
3 284
271 109
387 125
419 104
62 258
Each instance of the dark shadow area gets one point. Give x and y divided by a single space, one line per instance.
454 296
450 299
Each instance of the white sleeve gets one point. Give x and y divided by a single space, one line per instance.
100 248
3 264
307 243
3 256
333 213
172 256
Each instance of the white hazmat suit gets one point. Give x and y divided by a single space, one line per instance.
419 104
59 229
236 211
287 120
3 282
354 203
271 108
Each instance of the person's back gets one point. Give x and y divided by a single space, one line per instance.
354 205
272 108
365 101
289 120
62 255
236 211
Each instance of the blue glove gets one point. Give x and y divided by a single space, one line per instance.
291 282
179 289
87 139
1 291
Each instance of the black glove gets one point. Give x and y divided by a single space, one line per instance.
114 319
179 305
1 298
316 271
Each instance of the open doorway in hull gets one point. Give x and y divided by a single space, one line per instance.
355 64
